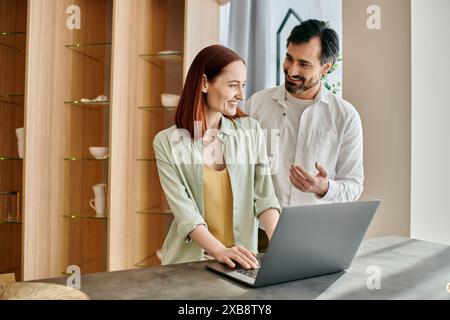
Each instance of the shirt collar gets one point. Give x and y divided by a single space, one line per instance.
226 126
280 93
226 129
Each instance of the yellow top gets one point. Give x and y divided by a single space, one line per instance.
218 200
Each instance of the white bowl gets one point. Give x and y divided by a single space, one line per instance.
170 55
99 152
170 100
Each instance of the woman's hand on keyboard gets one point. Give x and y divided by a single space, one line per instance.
237 254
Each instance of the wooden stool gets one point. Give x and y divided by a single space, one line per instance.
39 291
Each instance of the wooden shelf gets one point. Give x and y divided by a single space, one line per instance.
85 159
156 211
10 158
4 34
150 261
160 59
84 215
9 40
157 108
10 222
91 105
15 99
94 51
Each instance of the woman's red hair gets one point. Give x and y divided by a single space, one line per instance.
210 61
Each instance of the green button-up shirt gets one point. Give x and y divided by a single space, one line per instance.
180 166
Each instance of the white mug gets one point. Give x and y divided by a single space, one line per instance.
99 205
99 190
20 132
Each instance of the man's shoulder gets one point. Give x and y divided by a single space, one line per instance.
344 107
262 100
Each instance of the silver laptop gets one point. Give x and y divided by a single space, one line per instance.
308 241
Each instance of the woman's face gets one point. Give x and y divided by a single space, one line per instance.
227 89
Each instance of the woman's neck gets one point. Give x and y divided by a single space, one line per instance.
213 119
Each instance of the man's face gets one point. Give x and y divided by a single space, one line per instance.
302 67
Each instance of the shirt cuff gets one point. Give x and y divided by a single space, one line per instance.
262 205
187 226
330 193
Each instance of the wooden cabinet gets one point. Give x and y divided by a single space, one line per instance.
13 18
86 112
119 52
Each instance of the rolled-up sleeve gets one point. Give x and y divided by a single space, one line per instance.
184 209
264 193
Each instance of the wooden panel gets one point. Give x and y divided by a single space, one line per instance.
201 28
44 229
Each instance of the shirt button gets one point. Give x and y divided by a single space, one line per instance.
284 114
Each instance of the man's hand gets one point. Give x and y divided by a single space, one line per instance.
305 182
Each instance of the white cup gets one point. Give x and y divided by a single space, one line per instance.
99 205
20 132
99 190
99 152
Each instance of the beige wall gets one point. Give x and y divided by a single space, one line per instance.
377 81
430 213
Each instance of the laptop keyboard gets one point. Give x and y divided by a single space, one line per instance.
249 272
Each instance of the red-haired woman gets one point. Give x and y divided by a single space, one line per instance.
213 167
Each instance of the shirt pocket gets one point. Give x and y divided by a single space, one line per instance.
323 148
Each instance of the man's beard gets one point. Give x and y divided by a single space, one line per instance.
299 88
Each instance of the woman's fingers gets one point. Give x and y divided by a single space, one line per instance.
240 255
241 260
227 261
249 255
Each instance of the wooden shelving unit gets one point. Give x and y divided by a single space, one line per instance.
116 53
88 54
13 21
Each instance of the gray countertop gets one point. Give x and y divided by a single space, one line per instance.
409 269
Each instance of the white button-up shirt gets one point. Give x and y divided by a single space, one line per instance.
330 133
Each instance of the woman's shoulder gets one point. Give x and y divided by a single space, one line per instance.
164 136
247 123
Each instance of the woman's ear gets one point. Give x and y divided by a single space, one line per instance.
204 84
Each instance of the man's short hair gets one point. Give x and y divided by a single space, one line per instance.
312 28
